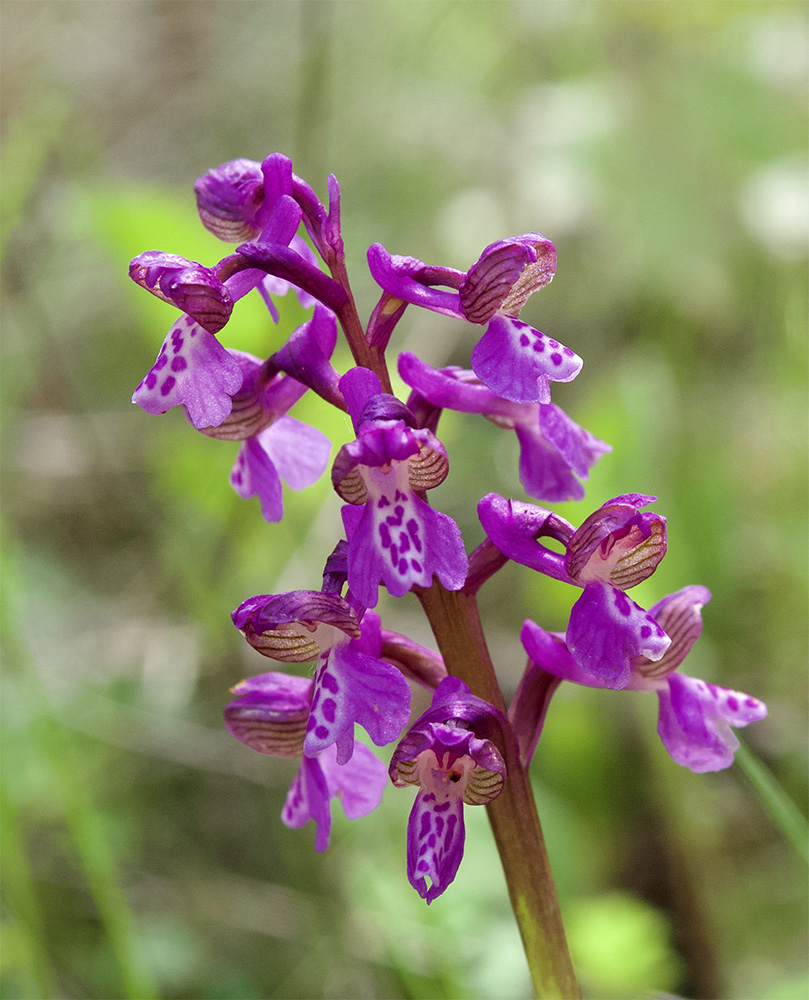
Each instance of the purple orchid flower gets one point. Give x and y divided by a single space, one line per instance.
352 684
452 765
284 449
192 367
235 198
234 201
251 407
194 370
695 717
275 446
553 449
208 294
396 538
513 360
617 547
269 714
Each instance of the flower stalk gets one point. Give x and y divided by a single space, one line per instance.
456 625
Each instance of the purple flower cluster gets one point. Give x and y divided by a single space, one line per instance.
462 749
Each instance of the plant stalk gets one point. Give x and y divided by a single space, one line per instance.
455 621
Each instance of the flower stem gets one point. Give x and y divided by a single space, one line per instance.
366 355
455 621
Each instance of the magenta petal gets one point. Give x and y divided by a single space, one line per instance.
435 839
359 784
403 545
551 653
277 172
491 278
194 369
253 473
305 355
617 543
283 222
695 720
190 286
359 385
395 275
370 638
279 228
270 712
544 473
607 630
308 798
577 446
299 452
552 448
680 616
516 361
351 687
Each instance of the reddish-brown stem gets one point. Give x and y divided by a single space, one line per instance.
455 621
366 355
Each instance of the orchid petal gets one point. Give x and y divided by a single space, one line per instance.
401 541
576 446
300 453
358 386
695 720
254 473
435 839
308 798
359 784
352 687
193 369
607 630
516 361
190 286
228 198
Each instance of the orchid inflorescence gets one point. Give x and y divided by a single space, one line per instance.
465 748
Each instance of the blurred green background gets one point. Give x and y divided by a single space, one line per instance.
663 147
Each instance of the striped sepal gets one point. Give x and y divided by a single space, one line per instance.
352 488
680 617
642 560
247 418
428 469
274 733
482 786
283 645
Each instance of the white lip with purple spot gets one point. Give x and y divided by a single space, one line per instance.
192 369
